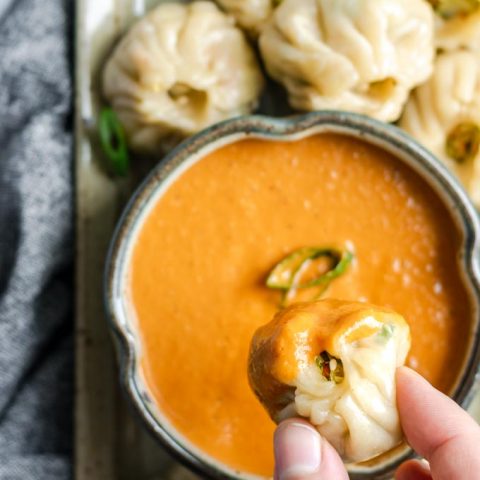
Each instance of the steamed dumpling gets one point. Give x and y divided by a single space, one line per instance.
444 115
457 24
459 32
178 70
333 362
250 14
363 56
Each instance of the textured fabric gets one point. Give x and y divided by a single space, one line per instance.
36 241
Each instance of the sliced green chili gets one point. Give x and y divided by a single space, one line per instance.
330 366
286 275
283 274
341 261
463 142
453 8
113 141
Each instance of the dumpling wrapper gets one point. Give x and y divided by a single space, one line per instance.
462 31
451 97
250 14
363 56
358 415
178 70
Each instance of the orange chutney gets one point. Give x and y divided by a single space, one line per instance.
200 261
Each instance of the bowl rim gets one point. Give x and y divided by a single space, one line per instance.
282 129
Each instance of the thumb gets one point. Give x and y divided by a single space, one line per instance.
302 454
438 429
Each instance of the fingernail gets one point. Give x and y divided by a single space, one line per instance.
297 451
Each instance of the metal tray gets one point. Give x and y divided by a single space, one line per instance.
109 443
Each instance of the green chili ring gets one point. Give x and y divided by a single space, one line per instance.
282 277
113 141
342 259
283 274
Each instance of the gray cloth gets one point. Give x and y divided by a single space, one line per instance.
36 240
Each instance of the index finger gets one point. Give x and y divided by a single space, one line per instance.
437 428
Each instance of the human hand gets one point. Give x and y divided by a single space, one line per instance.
437 429
434 425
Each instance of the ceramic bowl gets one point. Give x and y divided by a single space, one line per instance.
391 139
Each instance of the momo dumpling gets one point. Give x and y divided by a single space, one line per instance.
333 362
444 115
249 14
457 24
364 56
178 70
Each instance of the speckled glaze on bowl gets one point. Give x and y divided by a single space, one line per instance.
121 315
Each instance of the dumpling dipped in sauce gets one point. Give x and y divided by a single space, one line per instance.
333 362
